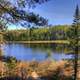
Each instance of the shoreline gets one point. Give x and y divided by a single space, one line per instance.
40 41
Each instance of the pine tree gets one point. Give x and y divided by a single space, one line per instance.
73 37
76 38
16 13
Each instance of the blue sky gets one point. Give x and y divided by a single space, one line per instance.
57 11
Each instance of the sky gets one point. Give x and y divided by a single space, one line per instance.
58 12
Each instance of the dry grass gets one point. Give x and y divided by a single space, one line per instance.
49 70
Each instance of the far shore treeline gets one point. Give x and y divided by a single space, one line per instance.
58 32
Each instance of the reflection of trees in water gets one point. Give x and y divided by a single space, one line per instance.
52 47
48 54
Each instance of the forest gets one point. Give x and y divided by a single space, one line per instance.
58 32
49 61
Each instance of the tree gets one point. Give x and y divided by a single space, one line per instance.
73 36
16 12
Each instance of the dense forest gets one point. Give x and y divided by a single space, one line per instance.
58 32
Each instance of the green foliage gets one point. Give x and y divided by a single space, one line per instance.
73 37
11 65
11 13
48 33
1 53
73 34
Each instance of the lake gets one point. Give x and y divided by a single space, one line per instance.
38 52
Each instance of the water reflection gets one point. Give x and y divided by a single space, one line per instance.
39 52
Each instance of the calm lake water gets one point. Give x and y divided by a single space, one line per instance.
38 52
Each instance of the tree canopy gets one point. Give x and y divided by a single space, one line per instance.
15 12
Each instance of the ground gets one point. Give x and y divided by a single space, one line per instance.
47 70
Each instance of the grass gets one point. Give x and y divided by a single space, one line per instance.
43 41
47 70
